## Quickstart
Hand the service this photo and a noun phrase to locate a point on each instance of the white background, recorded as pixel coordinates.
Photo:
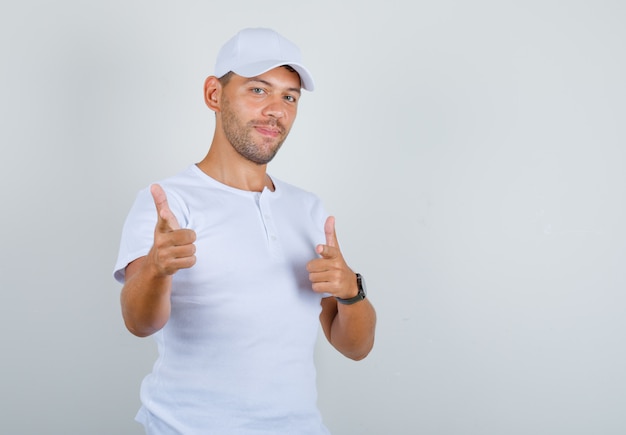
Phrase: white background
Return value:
(472, 152)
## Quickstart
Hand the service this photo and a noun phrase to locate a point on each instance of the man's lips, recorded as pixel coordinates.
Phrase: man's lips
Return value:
(268, 130)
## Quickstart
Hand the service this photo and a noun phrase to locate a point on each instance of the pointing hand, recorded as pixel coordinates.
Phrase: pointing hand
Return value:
(173, 247)
(330, 273)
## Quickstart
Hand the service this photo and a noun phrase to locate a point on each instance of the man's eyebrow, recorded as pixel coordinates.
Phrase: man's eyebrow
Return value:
(270, 85)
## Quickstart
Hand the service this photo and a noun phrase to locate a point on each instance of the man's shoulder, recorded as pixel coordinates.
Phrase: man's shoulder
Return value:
(185, 177)
(183, 184)
(291, 189)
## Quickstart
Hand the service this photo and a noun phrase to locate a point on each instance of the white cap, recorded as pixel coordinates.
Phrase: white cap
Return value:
(252, 52)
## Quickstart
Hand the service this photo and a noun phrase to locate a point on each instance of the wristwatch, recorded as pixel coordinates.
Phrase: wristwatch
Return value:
(360, 283)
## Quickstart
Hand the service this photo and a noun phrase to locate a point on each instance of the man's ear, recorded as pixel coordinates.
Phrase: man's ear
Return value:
(212, 93)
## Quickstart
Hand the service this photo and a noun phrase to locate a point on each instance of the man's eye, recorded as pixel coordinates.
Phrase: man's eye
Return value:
(290, 98)
(257, 90)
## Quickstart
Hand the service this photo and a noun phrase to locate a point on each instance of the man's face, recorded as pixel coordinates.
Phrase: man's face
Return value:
(257, 113)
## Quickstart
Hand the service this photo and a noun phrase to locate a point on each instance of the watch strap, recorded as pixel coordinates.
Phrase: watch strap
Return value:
(359, 296)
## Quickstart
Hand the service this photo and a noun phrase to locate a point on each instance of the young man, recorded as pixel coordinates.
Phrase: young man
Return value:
(231, 270)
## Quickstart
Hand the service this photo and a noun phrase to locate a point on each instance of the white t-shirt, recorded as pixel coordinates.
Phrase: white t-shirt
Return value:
(236, 356)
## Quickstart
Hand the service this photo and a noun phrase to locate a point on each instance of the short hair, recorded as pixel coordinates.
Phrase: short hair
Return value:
(226, 78)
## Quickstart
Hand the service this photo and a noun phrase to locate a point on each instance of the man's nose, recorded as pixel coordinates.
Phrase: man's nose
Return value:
(275, 108)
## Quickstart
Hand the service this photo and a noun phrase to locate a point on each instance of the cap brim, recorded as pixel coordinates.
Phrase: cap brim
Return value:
(258, 68)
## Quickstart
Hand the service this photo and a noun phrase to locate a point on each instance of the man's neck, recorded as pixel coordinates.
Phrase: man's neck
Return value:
(233, 170)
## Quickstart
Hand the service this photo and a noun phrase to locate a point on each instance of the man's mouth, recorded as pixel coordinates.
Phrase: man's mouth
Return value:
(268, 129)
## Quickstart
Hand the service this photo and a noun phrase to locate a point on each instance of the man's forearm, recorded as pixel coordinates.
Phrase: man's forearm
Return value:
(353, 329)
(145, 299)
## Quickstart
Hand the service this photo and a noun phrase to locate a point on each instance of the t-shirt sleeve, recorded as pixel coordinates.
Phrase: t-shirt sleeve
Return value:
(137, 233)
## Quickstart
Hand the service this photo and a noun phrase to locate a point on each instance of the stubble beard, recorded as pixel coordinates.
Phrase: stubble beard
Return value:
(240, 137)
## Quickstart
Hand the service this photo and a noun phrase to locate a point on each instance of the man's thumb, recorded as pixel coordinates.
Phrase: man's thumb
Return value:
(166, 219)
(329, 230)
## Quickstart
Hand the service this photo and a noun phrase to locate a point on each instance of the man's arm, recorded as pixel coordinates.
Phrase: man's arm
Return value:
(349, 328)
(145, 296)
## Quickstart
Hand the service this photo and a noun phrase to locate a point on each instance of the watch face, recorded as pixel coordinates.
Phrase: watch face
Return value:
(361, 284)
